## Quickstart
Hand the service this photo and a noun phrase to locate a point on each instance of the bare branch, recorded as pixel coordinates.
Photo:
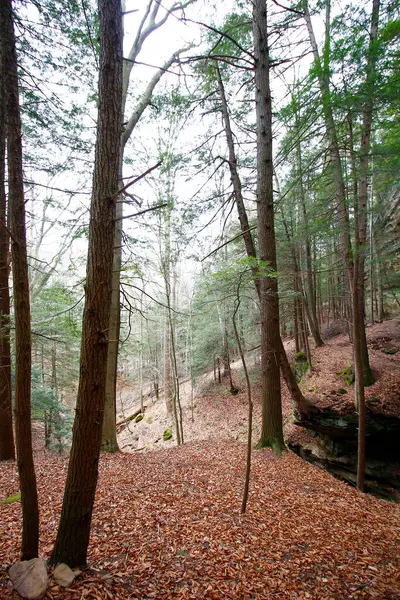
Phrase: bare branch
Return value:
(128, 185)
(229, 241)
(142, 212)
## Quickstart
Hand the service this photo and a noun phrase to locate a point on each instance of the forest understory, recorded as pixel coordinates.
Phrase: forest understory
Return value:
(167, 523)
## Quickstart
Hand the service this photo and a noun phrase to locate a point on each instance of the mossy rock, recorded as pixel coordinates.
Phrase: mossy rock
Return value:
(139, 418)
(167, 435)
(300, 366)
(348, 374)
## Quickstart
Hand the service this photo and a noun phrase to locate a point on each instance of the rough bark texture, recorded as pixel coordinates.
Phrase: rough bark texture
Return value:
(26, 470)
(363, 184)
(109, 439)
(74, 529)
(287, 372)
(271, 427)
(336, 164)
(309, 283)
(7, 450)
(109, 442)
(363, 370)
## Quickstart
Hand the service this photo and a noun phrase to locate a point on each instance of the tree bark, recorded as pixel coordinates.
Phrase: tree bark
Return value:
(7, 450)
(287, 372)
(74, 528)
(271, 427)
(363, 184)
(250, 408)
(363, 370)
(23, 432)
(148, 24)
(309, 284)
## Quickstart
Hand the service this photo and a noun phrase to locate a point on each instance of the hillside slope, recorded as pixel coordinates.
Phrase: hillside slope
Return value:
(167, 525)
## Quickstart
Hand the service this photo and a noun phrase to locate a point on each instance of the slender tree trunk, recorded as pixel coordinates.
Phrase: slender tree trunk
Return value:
(166, 272)
(271, 427)
(337, 171)
(363, 370)
(23, 348)
(250, 411)
(371, 272)
(287, 372)
(74, 528)
(7, 451)
(109, 442)
(310, 297)
(176, 403)
(363, 184)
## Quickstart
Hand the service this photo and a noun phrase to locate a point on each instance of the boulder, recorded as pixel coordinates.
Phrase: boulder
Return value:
(63, 575)
(29, 578)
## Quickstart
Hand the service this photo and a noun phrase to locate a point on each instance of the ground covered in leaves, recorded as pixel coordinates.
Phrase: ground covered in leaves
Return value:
(167, 524)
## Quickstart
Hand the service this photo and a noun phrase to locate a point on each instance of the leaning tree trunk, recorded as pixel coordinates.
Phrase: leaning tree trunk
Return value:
(26, 470)
(271, 427)
(286, 371)
(7, 450)
(74, 529)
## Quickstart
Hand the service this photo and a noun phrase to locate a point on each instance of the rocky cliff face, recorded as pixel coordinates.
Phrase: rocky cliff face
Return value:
(332, 444)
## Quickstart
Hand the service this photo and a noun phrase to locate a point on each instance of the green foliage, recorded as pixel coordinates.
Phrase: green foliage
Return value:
(47, 408)
(139, 418)
(167, 435)
(391, 30)
(348, 374)
(300, 366)
(15, 498)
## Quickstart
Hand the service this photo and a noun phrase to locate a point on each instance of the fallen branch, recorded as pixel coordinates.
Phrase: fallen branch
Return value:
(129, 419)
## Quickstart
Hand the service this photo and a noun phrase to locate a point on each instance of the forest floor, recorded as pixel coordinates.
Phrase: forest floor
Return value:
(167, 523)
(220, 415)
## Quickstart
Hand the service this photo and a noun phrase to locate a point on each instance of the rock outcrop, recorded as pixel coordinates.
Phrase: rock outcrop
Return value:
(30, 578)
(332, 444)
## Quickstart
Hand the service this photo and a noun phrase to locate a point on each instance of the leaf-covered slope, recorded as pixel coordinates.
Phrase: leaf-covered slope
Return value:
(167, 525)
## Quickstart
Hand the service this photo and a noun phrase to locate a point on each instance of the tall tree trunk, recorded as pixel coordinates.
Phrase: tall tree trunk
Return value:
(363, 184)
(7, 451)
(363, 370)
(23, 359)
(287, 372)
(109, 441)
(166, 272)
(337, 171)
(271, 427)
(74, 528)
(309, 283)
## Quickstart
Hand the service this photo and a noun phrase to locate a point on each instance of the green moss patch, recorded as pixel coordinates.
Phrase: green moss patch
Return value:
(348, 374)
(11, 499)
(167, 435)
(300, 366)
